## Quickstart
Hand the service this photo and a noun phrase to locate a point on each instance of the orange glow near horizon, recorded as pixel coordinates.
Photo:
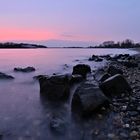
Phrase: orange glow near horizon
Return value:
(7, 34)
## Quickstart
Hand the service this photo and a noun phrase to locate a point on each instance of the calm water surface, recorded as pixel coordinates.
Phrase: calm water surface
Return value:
(23, 115)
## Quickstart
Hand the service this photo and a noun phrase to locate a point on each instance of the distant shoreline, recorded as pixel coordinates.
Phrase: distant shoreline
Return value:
(128, 44)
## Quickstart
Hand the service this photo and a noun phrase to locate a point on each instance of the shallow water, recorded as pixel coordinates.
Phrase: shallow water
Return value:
(23, 114)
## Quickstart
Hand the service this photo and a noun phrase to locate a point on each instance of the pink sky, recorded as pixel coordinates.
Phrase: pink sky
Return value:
(77, 20)
(24, 34)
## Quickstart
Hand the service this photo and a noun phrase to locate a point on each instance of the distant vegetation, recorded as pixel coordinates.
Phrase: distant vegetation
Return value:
(107, 44)
(124, 44)
(9, 45)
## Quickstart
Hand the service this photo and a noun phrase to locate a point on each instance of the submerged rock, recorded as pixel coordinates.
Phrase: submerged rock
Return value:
(88, 98)
(27, 69)
(81, 69)
(115, 85)
(55, 87)
(5, 76)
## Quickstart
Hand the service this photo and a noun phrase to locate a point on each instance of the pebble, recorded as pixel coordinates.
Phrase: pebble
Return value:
(124, 135)
(134, 134)
(124, 108)
(111, 135)
(133, 113)
(126, 126)
(100, 116)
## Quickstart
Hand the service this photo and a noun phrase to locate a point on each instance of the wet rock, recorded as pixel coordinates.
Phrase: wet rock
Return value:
(105, 77)
(5, 76)
(76, 79)
(121, 57)
(87, 99)
(27, 69)
(101, 75)
(107, 57)
(115, 85)
(112, 70)
(55, 87)
(95, 58)
(39, 76)
(81, 69)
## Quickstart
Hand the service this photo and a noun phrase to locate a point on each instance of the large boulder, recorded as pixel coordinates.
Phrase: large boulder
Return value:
(81, 69)
(27, 69)
(5, 76)
(87, 98)
(115, 85)
(112, 70)
(55, 88)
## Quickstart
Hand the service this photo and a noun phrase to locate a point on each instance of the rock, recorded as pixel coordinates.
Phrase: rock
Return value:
(115, 85)
(88, 98)
(133, 113)
(76, 79)
(55, 88)
(124, 135)
(81, 69)
(121, 57)
(134, 134)
(101, 75)
(111, 136)
(112, 70)
(124, 108)
(39, 76)
(105, 77)
(129, 64)
(27, 69)
(95, 58)
(98, 59)
(5, 76)
(126, 126)
(107, 57)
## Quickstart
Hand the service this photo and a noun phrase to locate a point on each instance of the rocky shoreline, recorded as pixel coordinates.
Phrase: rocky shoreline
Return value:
(112, 91)
(101, 104)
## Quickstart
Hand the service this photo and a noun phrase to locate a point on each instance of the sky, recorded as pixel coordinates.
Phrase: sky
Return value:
(74, 20)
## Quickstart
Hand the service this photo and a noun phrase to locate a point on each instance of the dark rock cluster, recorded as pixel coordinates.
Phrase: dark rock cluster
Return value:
(27, 69)
(115, 86)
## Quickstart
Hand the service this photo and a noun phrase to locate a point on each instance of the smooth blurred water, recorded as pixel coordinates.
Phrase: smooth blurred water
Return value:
(23, 115)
